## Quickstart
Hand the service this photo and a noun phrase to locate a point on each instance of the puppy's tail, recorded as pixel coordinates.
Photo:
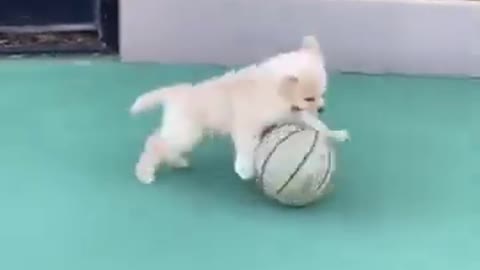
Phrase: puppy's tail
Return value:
(151, 99)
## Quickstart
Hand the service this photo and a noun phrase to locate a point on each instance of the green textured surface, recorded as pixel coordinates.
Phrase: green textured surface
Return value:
(407, 193)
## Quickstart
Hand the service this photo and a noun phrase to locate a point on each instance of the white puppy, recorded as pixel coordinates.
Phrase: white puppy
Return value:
(241, 104)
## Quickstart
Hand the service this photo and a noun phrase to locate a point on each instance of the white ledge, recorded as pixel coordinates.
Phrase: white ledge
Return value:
(373, 36)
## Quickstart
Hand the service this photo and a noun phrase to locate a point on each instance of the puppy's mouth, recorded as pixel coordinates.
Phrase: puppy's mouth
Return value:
(295, 109)
(298, 109)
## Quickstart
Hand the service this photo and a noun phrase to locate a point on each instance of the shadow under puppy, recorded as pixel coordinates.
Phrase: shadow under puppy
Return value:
(285, 88)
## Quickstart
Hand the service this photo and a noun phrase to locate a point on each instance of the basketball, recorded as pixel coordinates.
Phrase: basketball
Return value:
(294, 164)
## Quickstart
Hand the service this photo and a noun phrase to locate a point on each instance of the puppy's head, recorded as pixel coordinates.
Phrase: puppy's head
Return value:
(304, 84)
(303, 93)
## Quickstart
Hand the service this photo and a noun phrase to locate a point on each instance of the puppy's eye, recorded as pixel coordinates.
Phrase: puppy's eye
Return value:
(310, 99)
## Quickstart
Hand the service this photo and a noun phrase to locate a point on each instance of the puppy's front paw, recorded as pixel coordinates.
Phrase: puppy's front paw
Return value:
(341, 135)
(244, 169)
(144, 174)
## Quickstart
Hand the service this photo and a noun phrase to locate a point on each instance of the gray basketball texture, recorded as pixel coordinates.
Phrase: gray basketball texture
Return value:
(294, 164)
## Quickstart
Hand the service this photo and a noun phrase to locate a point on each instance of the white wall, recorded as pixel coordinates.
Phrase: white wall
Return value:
(376, 36)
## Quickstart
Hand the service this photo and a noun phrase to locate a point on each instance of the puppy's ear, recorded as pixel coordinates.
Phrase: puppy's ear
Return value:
(310, 43)
(287, 87)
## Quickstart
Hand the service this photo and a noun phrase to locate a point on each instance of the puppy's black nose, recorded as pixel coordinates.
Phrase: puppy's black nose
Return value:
(321, 110)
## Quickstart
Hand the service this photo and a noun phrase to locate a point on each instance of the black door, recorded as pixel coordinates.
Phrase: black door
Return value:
(58, 25)
(38, 12)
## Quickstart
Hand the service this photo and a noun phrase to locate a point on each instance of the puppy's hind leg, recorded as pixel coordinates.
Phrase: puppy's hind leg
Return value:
(181, 134)
(169, 145)
(154, 153)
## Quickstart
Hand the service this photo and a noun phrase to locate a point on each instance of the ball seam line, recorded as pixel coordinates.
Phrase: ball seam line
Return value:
(328, 172)
(271, 128)
(297, 169)
(270, 154)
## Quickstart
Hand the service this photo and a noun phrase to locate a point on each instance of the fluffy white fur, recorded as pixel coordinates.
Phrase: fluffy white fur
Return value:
(287, 87)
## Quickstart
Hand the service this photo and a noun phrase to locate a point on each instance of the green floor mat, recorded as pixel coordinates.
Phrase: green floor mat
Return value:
(406, 197)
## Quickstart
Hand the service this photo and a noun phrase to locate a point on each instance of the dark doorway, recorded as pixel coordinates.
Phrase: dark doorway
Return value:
(58, 26)
(34, 12)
